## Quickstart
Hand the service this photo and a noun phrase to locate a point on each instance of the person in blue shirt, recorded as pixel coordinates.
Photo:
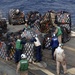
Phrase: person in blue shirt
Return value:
(54, 44)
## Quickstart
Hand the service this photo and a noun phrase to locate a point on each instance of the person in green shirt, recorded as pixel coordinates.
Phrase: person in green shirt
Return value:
(58, 33)
(22, 66)
(18, 51)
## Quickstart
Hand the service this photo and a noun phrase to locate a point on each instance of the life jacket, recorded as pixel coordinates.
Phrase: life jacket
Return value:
(23, 65)
(18, 44)
(54, 42)
(59, 32)
(63, 18)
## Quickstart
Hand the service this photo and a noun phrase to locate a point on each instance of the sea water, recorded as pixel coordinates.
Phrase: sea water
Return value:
(39, 5)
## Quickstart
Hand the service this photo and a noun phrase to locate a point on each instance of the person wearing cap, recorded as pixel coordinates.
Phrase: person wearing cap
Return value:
(60, 59)
(22, 66)
(54, 44)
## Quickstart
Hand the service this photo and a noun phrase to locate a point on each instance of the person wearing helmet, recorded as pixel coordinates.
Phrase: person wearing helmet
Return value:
(22, 66)
(60, 59)
(54, 44)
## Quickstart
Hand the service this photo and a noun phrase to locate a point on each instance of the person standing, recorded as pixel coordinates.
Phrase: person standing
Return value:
(22, 65)
(18, 51)
(37, 45)
(54, 44)
(60, 59)
(58, 33)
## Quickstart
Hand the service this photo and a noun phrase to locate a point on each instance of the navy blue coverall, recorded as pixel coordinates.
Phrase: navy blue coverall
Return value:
(54, 44)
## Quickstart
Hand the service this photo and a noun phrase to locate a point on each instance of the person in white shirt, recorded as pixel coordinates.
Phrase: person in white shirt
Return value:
(37, 45)
(60, 59)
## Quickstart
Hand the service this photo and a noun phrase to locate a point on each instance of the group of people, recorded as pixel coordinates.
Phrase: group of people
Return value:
(21, 59)
(23, 62)
(57, 52)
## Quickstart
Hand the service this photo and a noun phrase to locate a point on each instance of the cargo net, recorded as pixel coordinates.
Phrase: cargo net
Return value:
(2, 50)
(47, 43)
(66, 32)
(28, 50)
(29, 33)
(45, 23)
(66, 26)
(16, 17)
(12, 53)
(63, 18)
(32, 16)
(45, 28)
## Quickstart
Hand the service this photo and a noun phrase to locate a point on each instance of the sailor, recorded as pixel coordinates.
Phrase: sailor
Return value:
(37, 45)
(23, 65)
(18, 51)
(60, 59)
(54, 44)
(58, 33)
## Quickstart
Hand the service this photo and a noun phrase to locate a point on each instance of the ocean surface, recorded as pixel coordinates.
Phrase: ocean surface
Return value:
(39, 5)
